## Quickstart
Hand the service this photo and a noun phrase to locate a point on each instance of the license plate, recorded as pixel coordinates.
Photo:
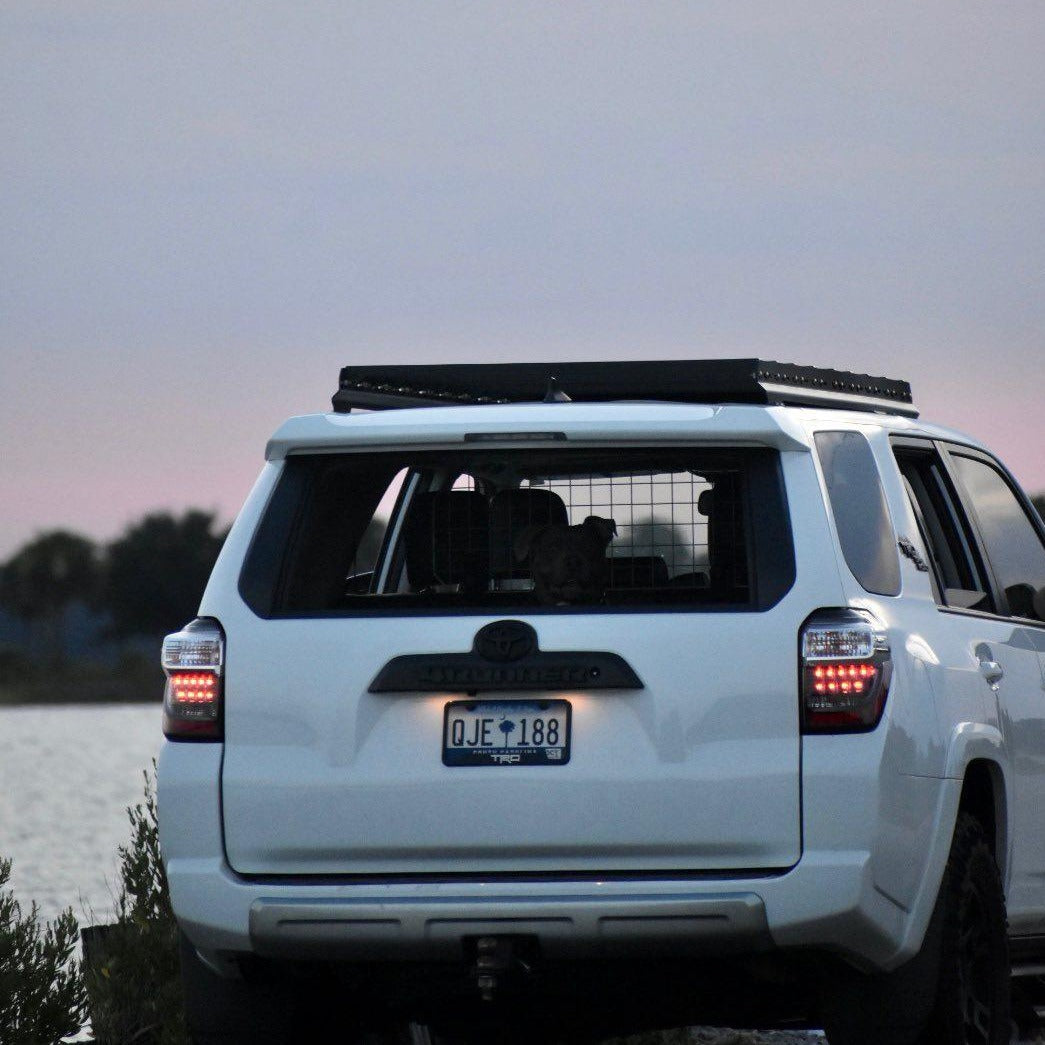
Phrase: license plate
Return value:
(506, 733)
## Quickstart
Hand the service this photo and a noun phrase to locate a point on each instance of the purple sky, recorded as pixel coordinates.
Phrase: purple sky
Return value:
(206, 209)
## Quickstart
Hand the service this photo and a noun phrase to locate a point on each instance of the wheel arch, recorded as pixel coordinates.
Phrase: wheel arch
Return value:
(977, 784)
(978, 757)
(984, 797)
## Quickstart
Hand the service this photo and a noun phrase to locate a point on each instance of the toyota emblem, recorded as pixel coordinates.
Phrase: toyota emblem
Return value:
(505, 640)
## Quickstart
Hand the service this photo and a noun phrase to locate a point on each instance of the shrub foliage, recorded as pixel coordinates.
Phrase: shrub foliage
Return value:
(132, 972)
(41, 990)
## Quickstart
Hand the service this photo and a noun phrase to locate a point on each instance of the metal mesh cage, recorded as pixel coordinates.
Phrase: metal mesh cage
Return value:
(670, 528)
(661, 533)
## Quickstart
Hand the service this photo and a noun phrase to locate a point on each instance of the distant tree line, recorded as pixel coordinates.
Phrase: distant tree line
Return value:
(145, 583)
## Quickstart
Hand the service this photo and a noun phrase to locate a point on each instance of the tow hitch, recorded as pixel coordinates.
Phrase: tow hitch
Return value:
(502, 958)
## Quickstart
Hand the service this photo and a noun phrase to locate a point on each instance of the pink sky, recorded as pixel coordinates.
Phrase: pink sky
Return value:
(115, 445)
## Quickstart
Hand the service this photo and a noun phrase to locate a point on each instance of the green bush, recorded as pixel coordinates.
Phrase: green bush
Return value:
(41, 990)
(131, 968)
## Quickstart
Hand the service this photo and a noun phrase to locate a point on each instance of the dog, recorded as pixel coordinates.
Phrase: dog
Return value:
(567, 563)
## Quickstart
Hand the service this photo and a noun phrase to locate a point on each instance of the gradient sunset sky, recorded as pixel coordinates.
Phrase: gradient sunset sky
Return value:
(207, 208)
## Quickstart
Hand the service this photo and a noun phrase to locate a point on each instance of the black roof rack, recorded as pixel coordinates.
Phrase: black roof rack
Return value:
(382, 387)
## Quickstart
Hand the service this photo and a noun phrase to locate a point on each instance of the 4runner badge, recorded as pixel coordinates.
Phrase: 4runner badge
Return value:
(908, 548)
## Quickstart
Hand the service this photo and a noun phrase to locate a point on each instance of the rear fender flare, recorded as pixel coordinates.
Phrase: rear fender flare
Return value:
(970, 742)
(976, 742)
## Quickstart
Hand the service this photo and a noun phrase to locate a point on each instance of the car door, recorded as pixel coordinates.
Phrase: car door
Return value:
(989, 666)
(1010, 536)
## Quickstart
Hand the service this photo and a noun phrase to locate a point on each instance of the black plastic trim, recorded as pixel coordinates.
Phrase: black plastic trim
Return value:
(1001, 618)
(471, 673)
(449, 877)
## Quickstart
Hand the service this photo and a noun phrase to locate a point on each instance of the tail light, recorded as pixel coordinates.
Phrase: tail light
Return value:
(194, 662)
(845, 672)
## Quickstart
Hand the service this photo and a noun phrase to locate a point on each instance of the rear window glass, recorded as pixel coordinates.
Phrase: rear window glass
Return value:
(522, 529)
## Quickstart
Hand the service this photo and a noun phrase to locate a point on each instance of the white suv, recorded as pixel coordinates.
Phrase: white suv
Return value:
(539, 700)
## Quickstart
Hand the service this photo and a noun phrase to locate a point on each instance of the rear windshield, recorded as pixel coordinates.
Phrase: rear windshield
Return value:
(521, 529)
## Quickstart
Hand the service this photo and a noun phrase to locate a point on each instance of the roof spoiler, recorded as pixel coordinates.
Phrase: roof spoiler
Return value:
(756, 381)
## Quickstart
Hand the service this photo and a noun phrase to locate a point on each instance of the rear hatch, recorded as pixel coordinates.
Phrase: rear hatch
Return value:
(438, 664)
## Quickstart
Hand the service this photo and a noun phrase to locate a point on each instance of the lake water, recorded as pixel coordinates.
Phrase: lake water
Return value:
(67, 775)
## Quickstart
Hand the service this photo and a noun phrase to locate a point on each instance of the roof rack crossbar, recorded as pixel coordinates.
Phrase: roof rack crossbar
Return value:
(384, 387)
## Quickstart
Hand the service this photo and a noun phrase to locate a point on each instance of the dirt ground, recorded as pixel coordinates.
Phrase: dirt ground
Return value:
(711, 1036)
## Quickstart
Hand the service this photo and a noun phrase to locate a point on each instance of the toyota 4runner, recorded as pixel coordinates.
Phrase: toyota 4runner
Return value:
(531, 701)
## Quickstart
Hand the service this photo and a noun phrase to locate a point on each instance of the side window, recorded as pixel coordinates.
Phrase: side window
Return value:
(361, 572)
(861, 514)
(1012, 542)
(956, 570)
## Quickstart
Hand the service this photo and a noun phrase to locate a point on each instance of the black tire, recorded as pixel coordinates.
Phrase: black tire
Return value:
(956, 990)
(973, 999)
(220, 1011)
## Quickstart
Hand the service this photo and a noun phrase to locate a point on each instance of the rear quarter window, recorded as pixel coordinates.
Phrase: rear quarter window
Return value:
(860, 510)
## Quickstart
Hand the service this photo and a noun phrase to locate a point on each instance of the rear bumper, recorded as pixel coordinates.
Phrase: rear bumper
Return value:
(823, 907)
(816, 905)
(829, 901)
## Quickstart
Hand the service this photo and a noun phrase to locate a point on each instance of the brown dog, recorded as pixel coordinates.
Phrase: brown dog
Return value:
(567, 563)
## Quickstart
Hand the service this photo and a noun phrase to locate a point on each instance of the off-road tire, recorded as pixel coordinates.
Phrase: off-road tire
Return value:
(973, 999)
(956, 990)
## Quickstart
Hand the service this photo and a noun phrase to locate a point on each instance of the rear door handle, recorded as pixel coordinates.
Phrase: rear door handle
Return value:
(992, 671)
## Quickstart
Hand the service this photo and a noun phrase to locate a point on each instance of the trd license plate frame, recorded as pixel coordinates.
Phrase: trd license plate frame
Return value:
(507, 732)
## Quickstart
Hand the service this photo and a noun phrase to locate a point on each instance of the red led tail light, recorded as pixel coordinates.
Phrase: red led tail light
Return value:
(194, 660)
(843, 678)
(193, 689)
(845, 672)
